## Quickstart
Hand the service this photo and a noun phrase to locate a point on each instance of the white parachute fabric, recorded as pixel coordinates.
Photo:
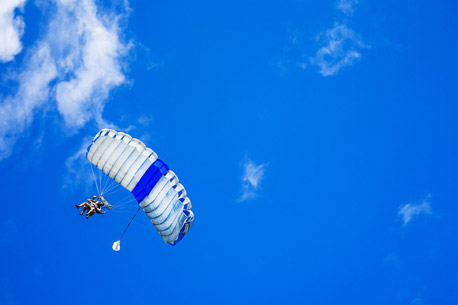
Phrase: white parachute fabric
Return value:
(137, 168)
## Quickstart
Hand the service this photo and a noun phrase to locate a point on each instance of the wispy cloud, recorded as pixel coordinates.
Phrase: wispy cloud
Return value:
(251, 179)
(340, 48)
(11, 29)
(408, 211)
(337, 47)
(79, 171)
(91, 59)
(347, 6)
(293, 53)
(74, 66)
(16, 112)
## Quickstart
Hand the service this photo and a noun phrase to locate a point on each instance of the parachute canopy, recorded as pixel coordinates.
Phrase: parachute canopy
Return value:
(155, 187)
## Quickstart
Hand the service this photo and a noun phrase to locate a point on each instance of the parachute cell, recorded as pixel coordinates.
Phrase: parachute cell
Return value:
(155, 187)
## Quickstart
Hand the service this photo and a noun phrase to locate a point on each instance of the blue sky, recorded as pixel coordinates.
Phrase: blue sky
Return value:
(316, 140)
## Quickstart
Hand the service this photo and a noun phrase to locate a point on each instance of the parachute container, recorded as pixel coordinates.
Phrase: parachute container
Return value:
(105, 202)
(155, 187)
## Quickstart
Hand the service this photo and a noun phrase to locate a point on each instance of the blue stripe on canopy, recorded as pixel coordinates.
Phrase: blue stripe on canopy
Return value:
(149, 179)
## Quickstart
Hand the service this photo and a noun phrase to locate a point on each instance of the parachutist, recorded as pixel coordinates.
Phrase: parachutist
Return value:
(91, 206)
(95, 207)
(86, 205)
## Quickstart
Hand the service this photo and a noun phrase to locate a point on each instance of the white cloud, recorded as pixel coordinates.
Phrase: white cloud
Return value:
(90, 59)
(79, 171)
(11, 29)
(74, 65)
(340, 49)
(409, 211)
(251, 179)
(347, 6)
(16, 112)
(339, 46)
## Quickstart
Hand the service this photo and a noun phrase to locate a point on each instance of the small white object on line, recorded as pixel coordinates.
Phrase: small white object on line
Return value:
(117, 245)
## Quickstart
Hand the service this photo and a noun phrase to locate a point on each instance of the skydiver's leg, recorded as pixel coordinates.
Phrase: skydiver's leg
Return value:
(86, 208)
(78, 206)
(90, 212)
